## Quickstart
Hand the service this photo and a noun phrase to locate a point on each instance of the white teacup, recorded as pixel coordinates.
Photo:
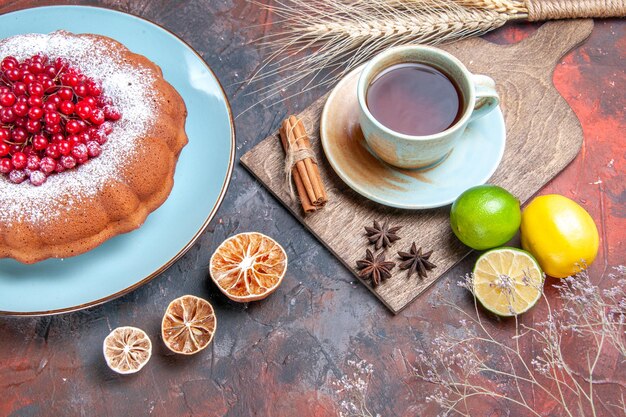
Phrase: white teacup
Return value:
(406, 151)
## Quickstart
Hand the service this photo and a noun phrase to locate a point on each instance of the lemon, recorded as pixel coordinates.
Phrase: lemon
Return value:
(485, 217)
(560, 234)
(507, 281)
(127, 350)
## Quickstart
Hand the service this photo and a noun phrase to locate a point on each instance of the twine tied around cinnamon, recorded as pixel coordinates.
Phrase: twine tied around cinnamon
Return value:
(301, 167)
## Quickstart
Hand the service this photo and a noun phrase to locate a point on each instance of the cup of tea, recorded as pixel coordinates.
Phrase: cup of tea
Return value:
(415, 103)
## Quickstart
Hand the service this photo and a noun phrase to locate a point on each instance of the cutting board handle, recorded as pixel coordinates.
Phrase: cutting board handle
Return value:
(552, 41)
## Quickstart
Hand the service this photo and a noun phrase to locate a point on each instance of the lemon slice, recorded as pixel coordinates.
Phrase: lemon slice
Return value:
(507, 281)
(188, 325)
(127, 349)
(248, 266)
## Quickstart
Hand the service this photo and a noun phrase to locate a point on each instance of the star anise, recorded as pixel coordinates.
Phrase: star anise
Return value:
(374, 267)
(382, 236)
(416, 261)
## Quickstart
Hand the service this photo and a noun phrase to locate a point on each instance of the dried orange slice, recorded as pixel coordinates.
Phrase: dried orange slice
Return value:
(127, 349)
(188, 325)
(248, 266)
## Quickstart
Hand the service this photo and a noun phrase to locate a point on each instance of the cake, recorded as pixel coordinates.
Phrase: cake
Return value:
(102, 164)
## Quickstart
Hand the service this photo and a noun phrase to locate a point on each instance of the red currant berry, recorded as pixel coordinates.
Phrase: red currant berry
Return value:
(94, 149)
(7, 99)
(36, 67)
(33, 126)
(69, 79)
(13, 74)
(50, 71)
(8, 63)
(65, 148)
(81, 90)
(7, 115)
(52, 129)
(73, 126)
(5, 135)
(47, 165)
(111, 113)
(19, 135)
(40, 142)
(59, 167)
(80, 151)
(28, 78)
(56, 99)
(20, 109)
(50, 107)
(53, 151)
(33, 162)
(35, 113)
(73, 140)
(65, 93)
(48, 85)
(34, 101)
(60, 64)
(83, 110)
(35, 89)
(17, 177)
(107, 128)
(37, 178)
(19, 160)
(4, 89)
(104, 101)
(92, 102)
(4, 149)
(68, 162)
(52, 118)
(6, 165)
(94, 89)
(57, 137)
(20, 89)
(67, 107)
(97, 117)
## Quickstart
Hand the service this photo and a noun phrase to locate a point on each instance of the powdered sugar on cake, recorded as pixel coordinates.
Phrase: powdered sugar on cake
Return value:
(130, 89)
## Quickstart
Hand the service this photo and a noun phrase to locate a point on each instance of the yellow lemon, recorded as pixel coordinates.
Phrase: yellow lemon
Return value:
(560, 234)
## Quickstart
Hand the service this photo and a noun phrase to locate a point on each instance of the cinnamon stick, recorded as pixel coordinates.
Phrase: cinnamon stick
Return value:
(305, 172)
(307, 206)
(311, 166)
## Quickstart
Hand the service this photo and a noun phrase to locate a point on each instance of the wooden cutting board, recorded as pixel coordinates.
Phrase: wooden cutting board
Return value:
(543, 136)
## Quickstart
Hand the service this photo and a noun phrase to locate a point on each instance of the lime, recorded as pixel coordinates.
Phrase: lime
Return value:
(507, 281)
(560, 234)
(485, 217)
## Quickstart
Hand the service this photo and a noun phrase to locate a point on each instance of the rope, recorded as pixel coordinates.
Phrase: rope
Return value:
(572, 9)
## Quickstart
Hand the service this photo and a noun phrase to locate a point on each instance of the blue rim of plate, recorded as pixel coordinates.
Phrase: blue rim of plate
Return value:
(218, 203)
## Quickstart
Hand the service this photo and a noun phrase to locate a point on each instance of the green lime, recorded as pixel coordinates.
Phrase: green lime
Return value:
(507, 281)
(485, 217)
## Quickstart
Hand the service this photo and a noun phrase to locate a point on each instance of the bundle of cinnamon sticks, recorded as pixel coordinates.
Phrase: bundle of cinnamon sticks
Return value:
(302, 164)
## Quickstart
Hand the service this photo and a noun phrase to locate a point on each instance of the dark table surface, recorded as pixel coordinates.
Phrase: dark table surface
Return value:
(280, 357)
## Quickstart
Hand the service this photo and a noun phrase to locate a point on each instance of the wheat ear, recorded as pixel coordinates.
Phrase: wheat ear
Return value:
(319, 41)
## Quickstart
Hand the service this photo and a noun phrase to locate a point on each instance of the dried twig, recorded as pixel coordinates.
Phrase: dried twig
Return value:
(463, 368)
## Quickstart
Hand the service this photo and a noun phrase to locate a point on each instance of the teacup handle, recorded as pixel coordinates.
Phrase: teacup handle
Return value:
(487, 97)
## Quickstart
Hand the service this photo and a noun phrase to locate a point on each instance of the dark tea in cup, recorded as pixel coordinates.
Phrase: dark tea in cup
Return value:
(414, 99)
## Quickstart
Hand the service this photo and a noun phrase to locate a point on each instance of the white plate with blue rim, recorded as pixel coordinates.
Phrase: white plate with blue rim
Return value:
(202, 175)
